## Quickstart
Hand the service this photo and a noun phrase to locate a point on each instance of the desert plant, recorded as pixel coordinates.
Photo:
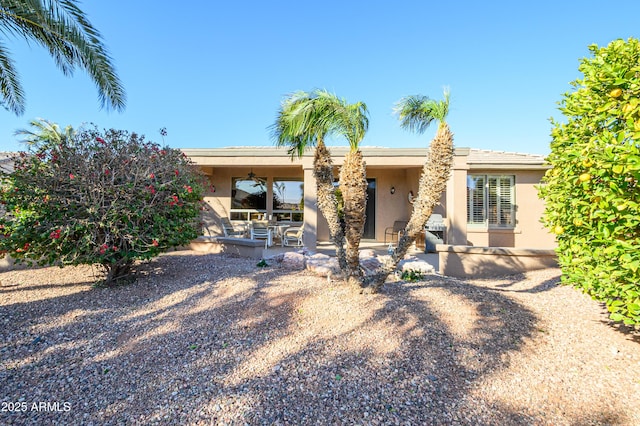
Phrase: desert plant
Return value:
(304, 120)
(412, 275)
(591, 192)
(416, 113)
(352, 183)
(99, 198)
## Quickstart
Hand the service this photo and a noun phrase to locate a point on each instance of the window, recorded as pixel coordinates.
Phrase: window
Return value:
(248, 198)
(490, 200)
(288, 199)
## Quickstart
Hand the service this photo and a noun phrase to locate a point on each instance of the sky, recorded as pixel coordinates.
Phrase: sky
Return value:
(214, 73)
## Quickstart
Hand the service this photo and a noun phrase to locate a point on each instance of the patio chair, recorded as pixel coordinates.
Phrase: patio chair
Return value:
(259, 230)
(229, 230)
(292, 237)
(395, 231)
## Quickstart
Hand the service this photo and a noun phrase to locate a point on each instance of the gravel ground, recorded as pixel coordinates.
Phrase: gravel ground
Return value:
(210, 339)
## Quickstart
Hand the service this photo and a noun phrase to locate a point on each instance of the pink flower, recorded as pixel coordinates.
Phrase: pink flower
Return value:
(55, 234)
(152, 176)
(151, 189)
(176, 172)
(188, 188)
(106, 172)
(154, 242)
(71, 176)
(99, 139)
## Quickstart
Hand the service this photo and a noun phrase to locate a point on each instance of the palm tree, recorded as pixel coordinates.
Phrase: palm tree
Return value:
(64, 30)
(304, 121)
(416, 113)
(44, 131)
(353, 186)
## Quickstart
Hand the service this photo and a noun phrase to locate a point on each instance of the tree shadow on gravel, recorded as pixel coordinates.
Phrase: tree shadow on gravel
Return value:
(104, 329)
(424, 380)
(194, 345)
(546, 285)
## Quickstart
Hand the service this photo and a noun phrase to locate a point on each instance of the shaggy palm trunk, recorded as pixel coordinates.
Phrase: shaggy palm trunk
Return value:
(353, 185)
(432, 184)
(327, 201)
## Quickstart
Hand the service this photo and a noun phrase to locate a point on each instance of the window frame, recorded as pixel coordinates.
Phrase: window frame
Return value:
(247, 214)
(497, 203)
(287, 215)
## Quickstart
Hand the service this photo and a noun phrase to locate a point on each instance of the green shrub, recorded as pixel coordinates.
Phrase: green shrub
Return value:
(412, 275)
(591, 193)
(105, 199)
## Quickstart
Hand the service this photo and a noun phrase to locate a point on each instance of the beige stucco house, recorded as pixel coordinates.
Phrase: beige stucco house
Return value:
(491, 198)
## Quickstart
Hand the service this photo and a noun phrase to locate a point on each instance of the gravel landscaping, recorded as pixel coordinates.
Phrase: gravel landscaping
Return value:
(213, 339)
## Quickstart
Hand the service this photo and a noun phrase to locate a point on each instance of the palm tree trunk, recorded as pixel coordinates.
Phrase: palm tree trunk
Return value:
(327, 201)
(432, 184)
(353, 185)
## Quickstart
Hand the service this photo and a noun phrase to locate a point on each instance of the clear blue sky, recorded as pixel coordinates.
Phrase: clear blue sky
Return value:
(214, 73)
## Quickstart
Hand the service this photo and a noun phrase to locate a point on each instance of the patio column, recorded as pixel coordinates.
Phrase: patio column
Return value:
(457, 203)
(310, 237)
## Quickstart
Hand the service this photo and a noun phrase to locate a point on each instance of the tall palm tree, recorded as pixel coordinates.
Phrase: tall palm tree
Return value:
(304, 121)
(353, 186)
(64, 30)
(416, 113)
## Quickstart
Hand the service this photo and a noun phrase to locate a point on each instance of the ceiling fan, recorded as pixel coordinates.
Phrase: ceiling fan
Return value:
(252, 176)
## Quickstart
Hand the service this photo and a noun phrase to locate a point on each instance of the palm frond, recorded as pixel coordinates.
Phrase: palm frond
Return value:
(44, 132)
(10, 87)
(64, 30)
(417, 112)
(305, 119)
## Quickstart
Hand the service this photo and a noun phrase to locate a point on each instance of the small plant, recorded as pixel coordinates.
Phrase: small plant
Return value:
(412, 275)
(262, 264)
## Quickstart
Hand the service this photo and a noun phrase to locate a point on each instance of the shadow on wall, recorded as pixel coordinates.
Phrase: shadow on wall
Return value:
(211, 220)
(483, 262)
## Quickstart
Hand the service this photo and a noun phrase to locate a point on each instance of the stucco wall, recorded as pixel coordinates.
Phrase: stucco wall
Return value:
(398, 168)
(482, 262)
(389, 207)
(528, 231)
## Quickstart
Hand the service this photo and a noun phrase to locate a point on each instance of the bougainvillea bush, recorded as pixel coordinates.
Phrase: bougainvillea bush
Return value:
(101, 199)
(591, 194)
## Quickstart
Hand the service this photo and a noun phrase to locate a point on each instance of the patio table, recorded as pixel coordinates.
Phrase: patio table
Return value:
(278, 231)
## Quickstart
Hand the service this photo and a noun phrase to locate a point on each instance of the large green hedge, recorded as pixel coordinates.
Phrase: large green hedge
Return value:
(591, 193)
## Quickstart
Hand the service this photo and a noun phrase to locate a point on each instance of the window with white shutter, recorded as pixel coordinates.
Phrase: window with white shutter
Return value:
(491, 200)
(476, 200)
